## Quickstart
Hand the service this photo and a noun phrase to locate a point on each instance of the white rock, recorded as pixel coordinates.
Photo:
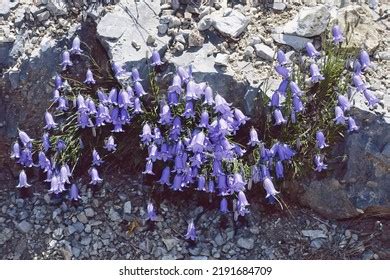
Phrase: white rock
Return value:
(232, 25)
(222, 59)
(57, 7)
(296, 42)
(264, 52)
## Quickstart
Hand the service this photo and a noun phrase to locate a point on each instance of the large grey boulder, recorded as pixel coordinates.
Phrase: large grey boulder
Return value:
(127, 25)
(294, 41)
(4, 7)
(309, 22)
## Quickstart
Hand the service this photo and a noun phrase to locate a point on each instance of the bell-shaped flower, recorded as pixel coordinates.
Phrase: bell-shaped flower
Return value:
(279, 119)
(118, 70)
(156, 60)
(204, 119)
(64, 174)
(315, 75)
(357, 67)
(62, 104)
(189, 110)
(50, 123)
(151, 212)
(281, 57)
(123, 99)
(164, 180)
(26, 140)
(320, 140)
(146, 136)
(372, 100)
(221, 106)
(173, 98)
(295, 90)
(275, 99)
(176, 128)
(43, 161)
(242, 203)
(269, 188)
(297, 104)
(56, 95)
(222, 184)
(191, 91)
(208, 96)
(96, 159)
(139, 89)
(176, 85)
(165, 115)
(358, 83)
(337, 35)
(240, 117)
(364, 59)
(311, 50)
(283, 151)
(238, 182)
(46, 142)
(352, 125)
(110, 144)
(137, 106)
(60, 145)
(15, 152)
(84, 120)
(74, 193)
(26, 158)
(255, 174)
(191, 231)
(152, 154)
(340, 118)
(66, 60)
(102, 96)
(89, 80)
(293, 116)
(56, 186)
(223, 206)
(319, 164)
(164, 153)
(279, 170)
(76, 46)
(343, 102)
(254, 139)
(80, 102)
(23, 180)
(183, 74)
(201, 183)
(135, 75)
(211, 186)
(148, 168)
(177, 183)
(95, 179)
(199, 144)
(283, 71)
(58, 82)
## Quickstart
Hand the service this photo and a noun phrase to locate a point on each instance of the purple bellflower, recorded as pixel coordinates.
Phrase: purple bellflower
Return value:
(45, 141)
(343, 102)
(275, 99)
(23, 180)
(279, 119)
(146, 136)
(139, 90)
(240, 117)
(337, 35)
(372, 100)
(320, 140)
(96, 159)
(269, 188)
(165, 115)
(223, 207)
(183, 74)
(89, 78)
(60, 145)
(358, 83)
(44, 162)
(15, 153)
(352, 125)
(281, 57)
(283, 71)
(49, 121)
(191, 232)
(66, 60)
(151, 212)
(208, 96)
(148, 168)
(95, 179)
(242, 203)
(254, 139)
(315, 75)
(58, 82)
(319, 164)
(357, 67)
(135, 75)
(364, 59)
(26, 140)
(110, 144)
(295, 90)
(156, 60)
(164, 180)
(311, 50)
(26, 158)
(297, 104)
(74, 193)
(340, 118)
(76, 46)
(279, 170)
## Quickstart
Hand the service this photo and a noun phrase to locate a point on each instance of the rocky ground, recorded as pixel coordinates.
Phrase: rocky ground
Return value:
(109, 223)
(232, 49)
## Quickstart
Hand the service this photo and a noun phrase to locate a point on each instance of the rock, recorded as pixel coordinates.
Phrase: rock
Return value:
(195, 39)
(264, 52)
(308, 22)
(86, 241)
(5, 235)
(4, 8)
(230, 24)
(150, 40)
(57, 7)
(43, 16)
(249, 52)
(246, 243)
(314, 234)
(162, 28)
(114, 216)
(24, 226)
(117, 29)
(82, 217)
(222, 59)
(362, 29)
(294, 41)
(278, 6)
(76, 252)
(127, 207)
(58, 234)
(170, 243)
(317, 243)
(219, 240)
(89, 212)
